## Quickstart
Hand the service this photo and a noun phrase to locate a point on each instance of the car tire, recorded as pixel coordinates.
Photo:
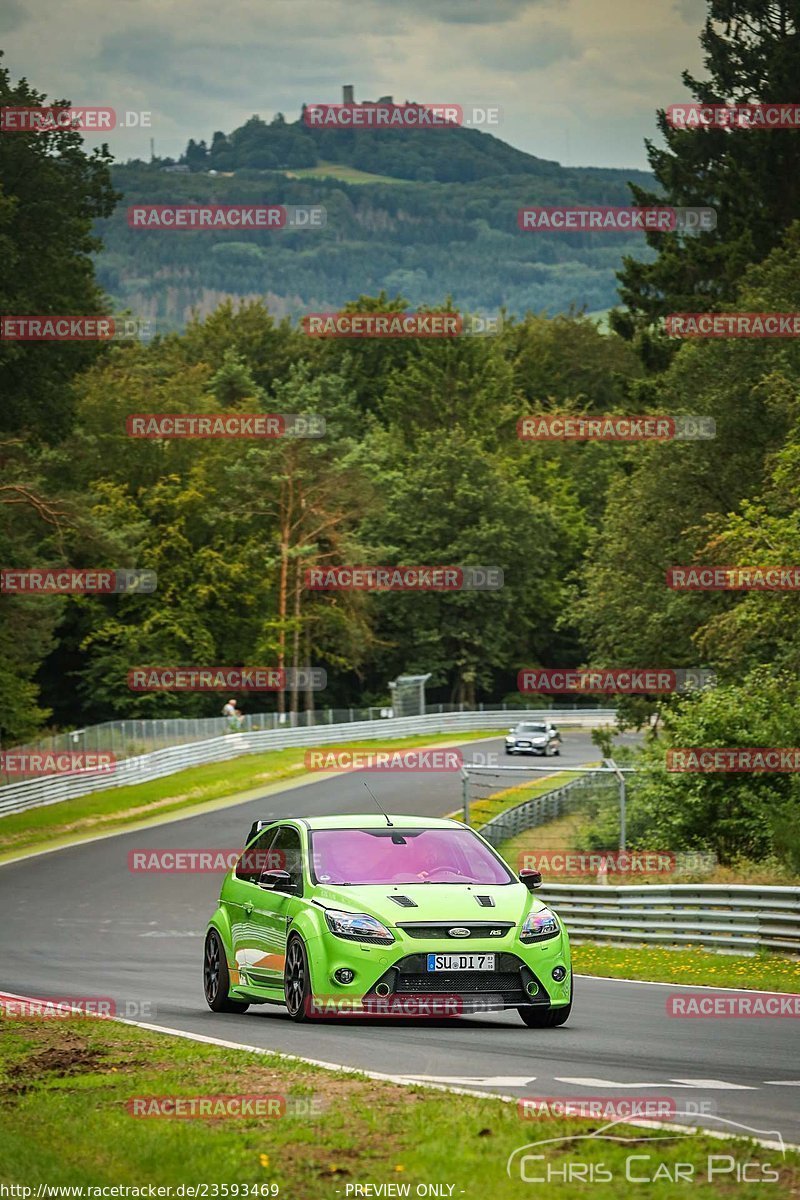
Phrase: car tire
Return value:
(548, 1018)
(216, 978)
(297, 981)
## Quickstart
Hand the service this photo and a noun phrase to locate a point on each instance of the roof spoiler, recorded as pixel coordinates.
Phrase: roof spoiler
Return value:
(256, 828)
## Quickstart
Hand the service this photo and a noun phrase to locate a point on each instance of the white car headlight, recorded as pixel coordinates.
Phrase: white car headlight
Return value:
(539, 925)
(357, 927)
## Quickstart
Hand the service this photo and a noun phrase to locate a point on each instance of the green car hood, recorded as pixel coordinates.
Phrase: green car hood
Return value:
(454, 902)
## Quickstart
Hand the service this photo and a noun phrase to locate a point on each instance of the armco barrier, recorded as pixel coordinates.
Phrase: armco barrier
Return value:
(732, 917)
(547, 807)
(744, 918)
(33, 793)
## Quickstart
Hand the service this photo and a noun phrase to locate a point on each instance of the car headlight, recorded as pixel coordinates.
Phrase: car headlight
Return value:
(357, 927)
(538, 926)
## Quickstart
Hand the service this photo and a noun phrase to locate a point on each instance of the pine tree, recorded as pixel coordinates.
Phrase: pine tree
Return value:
(751, 177)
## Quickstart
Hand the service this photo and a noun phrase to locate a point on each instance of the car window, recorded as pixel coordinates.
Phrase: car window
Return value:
(345, 857)
(288, 854)
(256, 857)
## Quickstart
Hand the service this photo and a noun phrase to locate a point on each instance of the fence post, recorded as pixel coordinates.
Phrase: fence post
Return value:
(622, 802)
(465, 794)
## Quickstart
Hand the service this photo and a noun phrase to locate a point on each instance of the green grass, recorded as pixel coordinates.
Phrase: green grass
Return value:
(689, 964)
(485, 809)
(65, 1087)
(343, 172)
(102, 812)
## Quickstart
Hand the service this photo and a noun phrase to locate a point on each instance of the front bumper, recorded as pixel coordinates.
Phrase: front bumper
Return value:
(522, 975)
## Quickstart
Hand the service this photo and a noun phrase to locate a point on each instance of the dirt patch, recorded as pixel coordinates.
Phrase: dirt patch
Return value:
(60, 1061)
(56, 1062)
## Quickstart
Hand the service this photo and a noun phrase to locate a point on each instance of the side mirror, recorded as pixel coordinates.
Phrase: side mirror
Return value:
(275, 881)
(531, 879)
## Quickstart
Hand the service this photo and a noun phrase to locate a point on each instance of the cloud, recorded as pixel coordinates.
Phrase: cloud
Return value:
(536, 47)
(12, 16)
(469, 12)
(577, 80)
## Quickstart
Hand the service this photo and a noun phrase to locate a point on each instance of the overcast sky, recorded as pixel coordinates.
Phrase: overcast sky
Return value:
(577, 80)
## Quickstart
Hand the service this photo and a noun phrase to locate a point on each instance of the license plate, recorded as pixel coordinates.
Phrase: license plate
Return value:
(461, 962)
(523, 744)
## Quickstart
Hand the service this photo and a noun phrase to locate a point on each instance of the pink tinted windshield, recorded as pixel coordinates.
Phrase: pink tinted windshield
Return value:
(360, 856)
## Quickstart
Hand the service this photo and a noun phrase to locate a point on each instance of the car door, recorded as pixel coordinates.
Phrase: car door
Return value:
(240, 894)
(260, 937)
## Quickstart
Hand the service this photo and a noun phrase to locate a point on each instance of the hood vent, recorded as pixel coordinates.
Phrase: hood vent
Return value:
(485, 901)
(404, 901)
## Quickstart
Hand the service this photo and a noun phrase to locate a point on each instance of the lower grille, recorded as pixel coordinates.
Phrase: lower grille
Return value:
(461, 982)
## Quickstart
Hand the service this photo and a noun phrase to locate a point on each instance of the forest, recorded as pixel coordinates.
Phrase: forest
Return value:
(421, 462)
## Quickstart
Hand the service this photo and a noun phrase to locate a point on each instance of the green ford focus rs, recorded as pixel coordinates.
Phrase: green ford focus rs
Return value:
(384, 916)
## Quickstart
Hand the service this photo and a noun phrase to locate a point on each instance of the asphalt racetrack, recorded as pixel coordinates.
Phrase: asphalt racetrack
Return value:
(78, 922)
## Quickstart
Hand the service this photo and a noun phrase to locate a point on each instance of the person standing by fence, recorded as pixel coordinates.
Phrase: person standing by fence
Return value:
(235, 718)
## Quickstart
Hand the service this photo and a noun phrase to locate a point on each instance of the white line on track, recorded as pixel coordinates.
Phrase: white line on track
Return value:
(718, 1085)
(404, 1081)
(702, 987)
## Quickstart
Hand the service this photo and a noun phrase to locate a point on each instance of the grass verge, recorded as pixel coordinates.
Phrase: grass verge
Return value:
(65, 1088)
(688, 964)
(487, 807)
(116, 808)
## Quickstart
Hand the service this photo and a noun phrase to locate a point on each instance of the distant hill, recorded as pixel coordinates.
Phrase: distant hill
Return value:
(455, 235)
(453, 154)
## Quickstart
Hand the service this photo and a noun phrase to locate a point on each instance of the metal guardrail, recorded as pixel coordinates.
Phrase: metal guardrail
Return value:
(538, 811)
(52, 789)
(720, 916)
(132, 738)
